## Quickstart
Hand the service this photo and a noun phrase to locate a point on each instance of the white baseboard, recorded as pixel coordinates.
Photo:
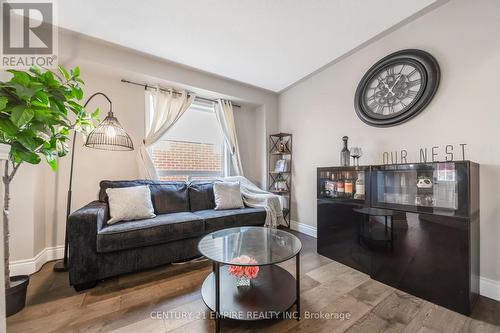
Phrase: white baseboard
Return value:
(487, 287)
(32, 265)
(304, 228)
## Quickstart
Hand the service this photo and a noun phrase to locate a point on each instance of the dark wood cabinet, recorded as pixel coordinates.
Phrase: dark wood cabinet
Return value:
(435, 249)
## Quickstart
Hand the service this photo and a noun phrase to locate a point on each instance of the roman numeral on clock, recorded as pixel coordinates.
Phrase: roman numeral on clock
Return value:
(414, 82)
(412, 94)
(413, 72)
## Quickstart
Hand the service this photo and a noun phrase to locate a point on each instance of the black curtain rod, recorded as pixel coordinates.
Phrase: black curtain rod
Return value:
(146, 86)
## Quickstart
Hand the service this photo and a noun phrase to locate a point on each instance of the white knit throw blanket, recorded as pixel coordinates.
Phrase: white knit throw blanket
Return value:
(258, 198)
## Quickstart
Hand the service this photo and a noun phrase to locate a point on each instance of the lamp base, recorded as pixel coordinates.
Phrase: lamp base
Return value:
(60, 266)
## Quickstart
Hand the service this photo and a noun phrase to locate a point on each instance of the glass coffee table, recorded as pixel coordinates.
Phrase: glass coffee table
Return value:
(271, 294)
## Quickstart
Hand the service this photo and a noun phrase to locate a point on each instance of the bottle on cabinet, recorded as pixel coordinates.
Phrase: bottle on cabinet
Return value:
(340, 187)
(345, 154)
(360, 186)
(348, 185)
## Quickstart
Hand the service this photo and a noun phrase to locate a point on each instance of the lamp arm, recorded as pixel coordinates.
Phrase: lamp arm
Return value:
(102, 94)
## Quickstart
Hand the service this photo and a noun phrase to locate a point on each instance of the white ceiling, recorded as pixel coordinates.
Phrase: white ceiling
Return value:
(266, 43)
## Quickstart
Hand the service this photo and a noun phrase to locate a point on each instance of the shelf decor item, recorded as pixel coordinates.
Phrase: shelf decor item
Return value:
(281, 146)
(243, 273)
(35, 122)
(280, 170)
(356, 153)
(280, 166)
(397, 88)
(280, 183)
(345, 155)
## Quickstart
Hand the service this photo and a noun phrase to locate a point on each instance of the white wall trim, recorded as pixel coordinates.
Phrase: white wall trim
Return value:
(304, 228)
(489, 288)
(32, 265)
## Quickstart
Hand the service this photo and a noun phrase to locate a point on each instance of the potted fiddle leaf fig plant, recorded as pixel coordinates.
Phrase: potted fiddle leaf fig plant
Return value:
(38, 110)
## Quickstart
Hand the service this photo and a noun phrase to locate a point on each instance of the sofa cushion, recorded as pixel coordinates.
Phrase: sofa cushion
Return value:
(161, 229)
(227, 195)
(201, 195)
(167, 196)
(130, 203)
(220, 219)
(105, 184)
(171, 197)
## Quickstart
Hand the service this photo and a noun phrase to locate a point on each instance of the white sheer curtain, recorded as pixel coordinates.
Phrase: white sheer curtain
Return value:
(225, 117)
(167, 107)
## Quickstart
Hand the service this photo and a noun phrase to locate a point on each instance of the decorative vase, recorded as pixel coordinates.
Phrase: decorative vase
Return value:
(242, 281)
(280, 185)
(345, 154)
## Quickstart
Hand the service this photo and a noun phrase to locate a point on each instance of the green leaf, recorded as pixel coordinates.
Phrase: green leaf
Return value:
(29, 140)
(21, 115)
(64, 72)
(21, 78)
(51, 159)
(42, 98)
(23, 154)
(64, 131)
(24, 93)
(42, 131)
(76, 72)
(35, 70)
(7, 127)
(95, 114)
(50, 80)
(77, 92)
(3, 102)
(62, 148)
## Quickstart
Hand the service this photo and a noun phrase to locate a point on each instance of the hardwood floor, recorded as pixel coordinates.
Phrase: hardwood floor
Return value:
(167, 299)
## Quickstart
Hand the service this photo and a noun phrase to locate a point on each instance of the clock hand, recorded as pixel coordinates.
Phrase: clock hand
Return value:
(397, 80)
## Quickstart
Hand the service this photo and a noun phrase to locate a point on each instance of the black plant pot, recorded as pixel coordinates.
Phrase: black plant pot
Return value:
(16, 295)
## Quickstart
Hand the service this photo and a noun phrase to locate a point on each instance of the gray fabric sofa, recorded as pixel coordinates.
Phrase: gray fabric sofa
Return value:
(184, 213)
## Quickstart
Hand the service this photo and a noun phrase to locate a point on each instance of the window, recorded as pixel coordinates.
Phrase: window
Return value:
(193, 149)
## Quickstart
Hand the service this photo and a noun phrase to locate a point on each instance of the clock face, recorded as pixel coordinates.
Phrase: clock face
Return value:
(397, 88)
(394, 89)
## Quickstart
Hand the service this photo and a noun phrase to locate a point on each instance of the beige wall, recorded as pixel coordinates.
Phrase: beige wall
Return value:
(39, 195)
(463, 36)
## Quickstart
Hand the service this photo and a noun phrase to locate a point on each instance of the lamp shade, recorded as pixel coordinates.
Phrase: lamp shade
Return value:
(109, 135)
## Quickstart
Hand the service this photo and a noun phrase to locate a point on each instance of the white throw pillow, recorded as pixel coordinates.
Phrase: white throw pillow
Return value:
(129, 203)
(227, 195)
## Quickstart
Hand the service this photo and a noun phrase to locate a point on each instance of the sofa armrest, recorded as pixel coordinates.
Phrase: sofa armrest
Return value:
(83, 226)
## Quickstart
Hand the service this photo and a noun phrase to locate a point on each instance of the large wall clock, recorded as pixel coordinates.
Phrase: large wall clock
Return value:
(397, 88)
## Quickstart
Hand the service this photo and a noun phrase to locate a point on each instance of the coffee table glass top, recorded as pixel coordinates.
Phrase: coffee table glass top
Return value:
(265, 245)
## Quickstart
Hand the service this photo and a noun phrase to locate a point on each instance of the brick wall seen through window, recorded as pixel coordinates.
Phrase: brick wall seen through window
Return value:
(181, 160)
(193, 149)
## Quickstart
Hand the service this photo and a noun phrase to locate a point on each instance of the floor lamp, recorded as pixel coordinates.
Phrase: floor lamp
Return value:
(108, 135)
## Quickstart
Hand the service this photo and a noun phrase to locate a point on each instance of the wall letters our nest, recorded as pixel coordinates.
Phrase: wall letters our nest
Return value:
(433, 154)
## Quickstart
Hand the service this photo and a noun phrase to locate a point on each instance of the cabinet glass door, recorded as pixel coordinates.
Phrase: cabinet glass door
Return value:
(430, 187)
(344, 183)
